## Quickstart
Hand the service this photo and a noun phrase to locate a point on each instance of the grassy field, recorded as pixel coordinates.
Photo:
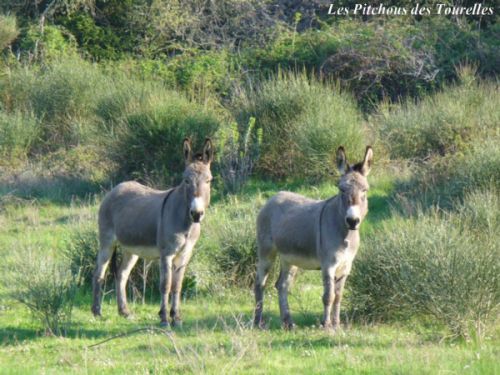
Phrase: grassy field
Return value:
(216, 336)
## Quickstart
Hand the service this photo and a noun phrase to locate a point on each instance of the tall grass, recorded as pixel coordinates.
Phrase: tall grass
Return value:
(62, 95)
(46, 286)
(303, 122)
(447, 122)
(442, 265)
(8, 30)
(71, 104)
(231, 240)
(445, 180)
(18, 132)
(150, 143)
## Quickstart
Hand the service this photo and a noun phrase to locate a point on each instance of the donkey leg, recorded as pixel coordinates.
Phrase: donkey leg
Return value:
(128, 262)
(179, 268)
(287, 274)
(328, 274)
(165, 283)
(263, 267)
(103, 258)
(339, 289)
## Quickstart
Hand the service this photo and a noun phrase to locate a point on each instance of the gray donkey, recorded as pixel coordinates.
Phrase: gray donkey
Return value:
(312, 234)
(154, 224)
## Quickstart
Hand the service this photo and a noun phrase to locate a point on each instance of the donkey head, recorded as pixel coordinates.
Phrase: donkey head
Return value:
(197, 178)
(353, 187)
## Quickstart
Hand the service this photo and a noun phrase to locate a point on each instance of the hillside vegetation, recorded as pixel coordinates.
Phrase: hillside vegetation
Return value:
(93, 93)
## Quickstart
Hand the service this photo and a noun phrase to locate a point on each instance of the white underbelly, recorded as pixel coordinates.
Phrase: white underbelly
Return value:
(301, 261)
(150, 252)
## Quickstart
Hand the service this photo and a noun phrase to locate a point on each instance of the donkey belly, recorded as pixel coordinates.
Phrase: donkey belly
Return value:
(148, 252)
(304, 262)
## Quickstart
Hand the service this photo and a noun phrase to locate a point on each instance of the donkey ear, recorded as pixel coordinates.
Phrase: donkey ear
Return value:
(208, 151)
(367, 161)
(342, 160)
(186, 147)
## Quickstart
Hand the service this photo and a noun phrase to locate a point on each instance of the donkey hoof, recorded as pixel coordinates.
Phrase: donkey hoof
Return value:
(96, 311)
(164, 324)
(337, 328)
(328, 327)
(289, 325)
(125, 313)
(177, 322)
(259, 324)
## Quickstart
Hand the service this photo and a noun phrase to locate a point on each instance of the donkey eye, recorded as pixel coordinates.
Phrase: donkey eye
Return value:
(186, 181)
(209, 180)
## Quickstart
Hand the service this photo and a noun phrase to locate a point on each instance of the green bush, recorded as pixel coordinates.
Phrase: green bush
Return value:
(381, 60)
(200, 73)
(46, 286)
(8, 31)
(240, 150)
(18, 133)
(439, 265)
(81, 250)
(62, 96)
(52, 43)
(302, 122)
(447, 122)
(444, 180)
(228, 242)
(150, 142)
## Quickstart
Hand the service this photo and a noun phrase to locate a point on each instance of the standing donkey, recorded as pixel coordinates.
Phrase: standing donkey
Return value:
(313, 234)
(151, 223)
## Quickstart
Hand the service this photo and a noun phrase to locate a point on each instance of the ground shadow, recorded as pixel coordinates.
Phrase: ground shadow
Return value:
(56, 190)
(14, 335)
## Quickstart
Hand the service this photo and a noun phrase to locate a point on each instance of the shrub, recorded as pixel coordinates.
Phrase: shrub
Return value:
(47, 287)
(150, 143)
(447, 122)
(382, 60)
(81, 251)
(18, 133)
(62, 96)
(240, 151)
(444, 180)
(231, 241)
(200, 73)
(303, 122)
(48, 44)
(439, 265)
(8, 31)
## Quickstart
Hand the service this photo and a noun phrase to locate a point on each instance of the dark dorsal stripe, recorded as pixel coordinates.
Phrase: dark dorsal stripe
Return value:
(164, 203)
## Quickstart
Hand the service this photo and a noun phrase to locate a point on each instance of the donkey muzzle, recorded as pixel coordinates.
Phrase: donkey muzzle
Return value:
(197, 216)
(197, 209)
(352, 223)
(352, 218)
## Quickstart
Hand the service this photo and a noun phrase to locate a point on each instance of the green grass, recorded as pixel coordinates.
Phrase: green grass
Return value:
(216, 338)
(216, 335)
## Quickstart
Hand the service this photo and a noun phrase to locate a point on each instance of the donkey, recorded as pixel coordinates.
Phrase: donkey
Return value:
(312, 234)
(153, 224)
